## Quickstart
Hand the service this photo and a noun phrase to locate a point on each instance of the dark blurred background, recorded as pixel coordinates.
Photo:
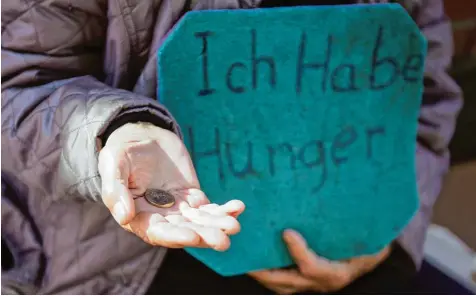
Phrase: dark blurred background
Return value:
(463, 16)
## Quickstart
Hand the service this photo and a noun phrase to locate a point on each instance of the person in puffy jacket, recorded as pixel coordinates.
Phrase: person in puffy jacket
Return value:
(83, 137)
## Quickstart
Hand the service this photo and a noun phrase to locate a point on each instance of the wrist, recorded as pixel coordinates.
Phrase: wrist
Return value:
(134, 132)
(131, 117)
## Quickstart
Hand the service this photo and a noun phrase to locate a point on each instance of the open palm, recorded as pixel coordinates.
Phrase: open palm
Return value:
(138, 157)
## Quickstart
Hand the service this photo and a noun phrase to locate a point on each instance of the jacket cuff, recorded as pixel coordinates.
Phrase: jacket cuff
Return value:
(135, 115)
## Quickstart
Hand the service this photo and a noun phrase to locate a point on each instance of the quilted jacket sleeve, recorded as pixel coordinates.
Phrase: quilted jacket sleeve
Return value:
(52, 133)
(442, 97)
(55, 111)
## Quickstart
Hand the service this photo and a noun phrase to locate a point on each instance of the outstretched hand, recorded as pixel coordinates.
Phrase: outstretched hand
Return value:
(141, 156)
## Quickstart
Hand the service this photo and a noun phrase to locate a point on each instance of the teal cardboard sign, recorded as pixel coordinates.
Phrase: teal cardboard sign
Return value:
(308, 115)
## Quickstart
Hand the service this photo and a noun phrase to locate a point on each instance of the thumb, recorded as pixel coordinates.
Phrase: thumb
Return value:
(114, 169)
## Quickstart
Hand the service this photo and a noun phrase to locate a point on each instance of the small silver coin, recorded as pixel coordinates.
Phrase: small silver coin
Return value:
(159, 198)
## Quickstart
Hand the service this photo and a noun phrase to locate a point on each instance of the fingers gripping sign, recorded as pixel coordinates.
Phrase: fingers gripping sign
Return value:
(139, 159)
(314, 273)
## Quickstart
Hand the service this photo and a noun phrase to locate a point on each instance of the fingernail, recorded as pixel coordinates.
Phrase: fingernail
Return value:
(196, 198)
(119, 212)
(194, 201)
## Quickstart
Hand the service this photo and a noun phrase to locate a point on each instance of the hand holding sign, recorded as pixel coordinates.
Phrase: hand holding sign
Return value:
(313, 273)
(307, 113)
(138, 157)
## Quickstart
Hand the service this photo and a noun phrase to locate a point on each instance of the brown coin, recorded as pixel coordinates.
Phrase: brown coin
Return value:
(159, 198)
